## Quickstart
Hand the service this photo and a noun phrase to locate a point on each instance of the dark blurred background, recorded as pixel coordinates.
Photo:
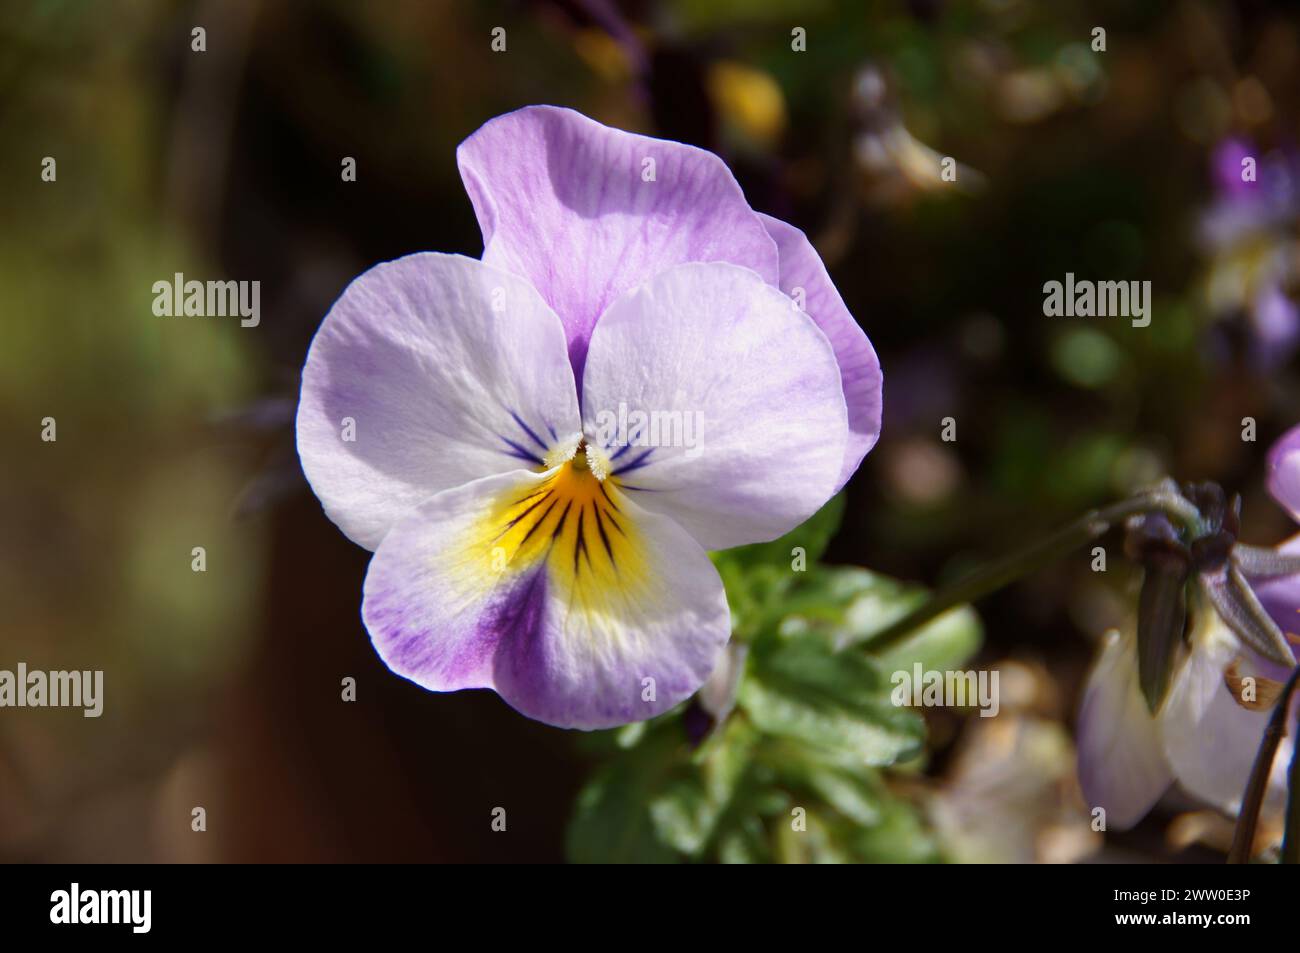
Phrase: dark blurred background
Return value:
(223, 687)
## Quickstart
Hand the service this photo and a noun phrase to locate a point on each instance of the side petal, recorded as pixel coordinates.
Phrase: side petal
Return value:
(1280, 597)
(1122, 767)
(1210, 740)
(860, 374)
(586, 212)
(580, 608)
(428, 372)
(1284, 471)
(718, 403)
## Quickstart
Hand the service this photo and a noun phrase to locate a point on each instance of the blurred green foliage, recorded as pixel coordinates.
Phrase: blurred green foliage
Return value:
(808, 765)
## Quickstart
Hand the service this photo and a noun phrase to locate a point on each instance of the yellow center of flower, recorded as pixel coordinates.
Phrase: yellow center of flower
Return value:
(573, 521)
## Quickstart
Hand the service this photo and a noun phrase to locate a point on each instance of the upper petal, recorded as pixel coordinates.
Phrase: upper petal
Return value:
(587, 212)
(1122, 767)
(1284, 471)
(860, 374)
(428, 372)
(718, 403)
(577, 606)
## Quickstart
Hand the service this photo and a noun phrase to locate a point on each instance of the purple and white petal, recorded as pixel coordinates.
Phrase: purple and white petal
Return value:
(803, 275)
(580, 608)
(428, 372)
(1284, 471)
(586, 212)
(1122, 766)
(1210, 739)
(1280, 597)
(718, 403)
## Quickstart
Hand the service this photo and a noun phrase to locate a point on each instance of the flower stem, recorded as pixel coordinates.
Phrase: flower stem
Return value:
(1243, 839)
(999, 573)
(1291, 839)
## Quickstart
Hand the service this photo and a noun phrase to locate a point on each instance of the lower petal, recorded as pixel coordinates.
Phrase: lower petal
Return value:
(1210, 739)
(1121, 765)
(579, 607)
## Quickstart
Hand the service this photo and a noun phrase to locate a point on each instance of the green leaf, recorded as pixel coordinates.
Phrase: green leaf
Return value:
(657, 800)
(838, 701)
(848, 793)
(851, 605)
(745, 843)
(683, 817)
(687, 813)
(814, 719)
(612, 822)
(851, 812)
(900, 837)
(819, 843)
(945, 643)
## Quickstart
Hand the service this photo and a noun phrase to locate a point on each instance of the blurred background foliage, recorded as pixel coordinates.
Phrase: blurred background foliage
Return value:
(780, 756)
(223, 687)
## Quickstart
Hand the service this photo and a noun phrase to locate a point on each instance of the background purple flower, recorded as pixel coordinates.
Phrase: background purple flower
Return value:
(1248, 232)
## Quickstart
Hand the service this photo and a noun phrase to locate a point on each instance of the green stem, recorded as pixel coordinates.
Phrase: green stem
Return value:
(997, 574)
(1243, 838)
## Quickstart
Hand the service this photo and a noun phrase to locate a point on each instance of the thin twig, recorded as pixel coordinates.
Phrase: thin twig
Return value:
(1243, 838)
(994, 576)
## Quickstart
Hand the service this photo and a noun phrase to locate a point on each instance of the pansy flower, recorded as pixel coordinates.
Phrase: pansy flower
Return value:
(1191, 706)
(540, 446)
